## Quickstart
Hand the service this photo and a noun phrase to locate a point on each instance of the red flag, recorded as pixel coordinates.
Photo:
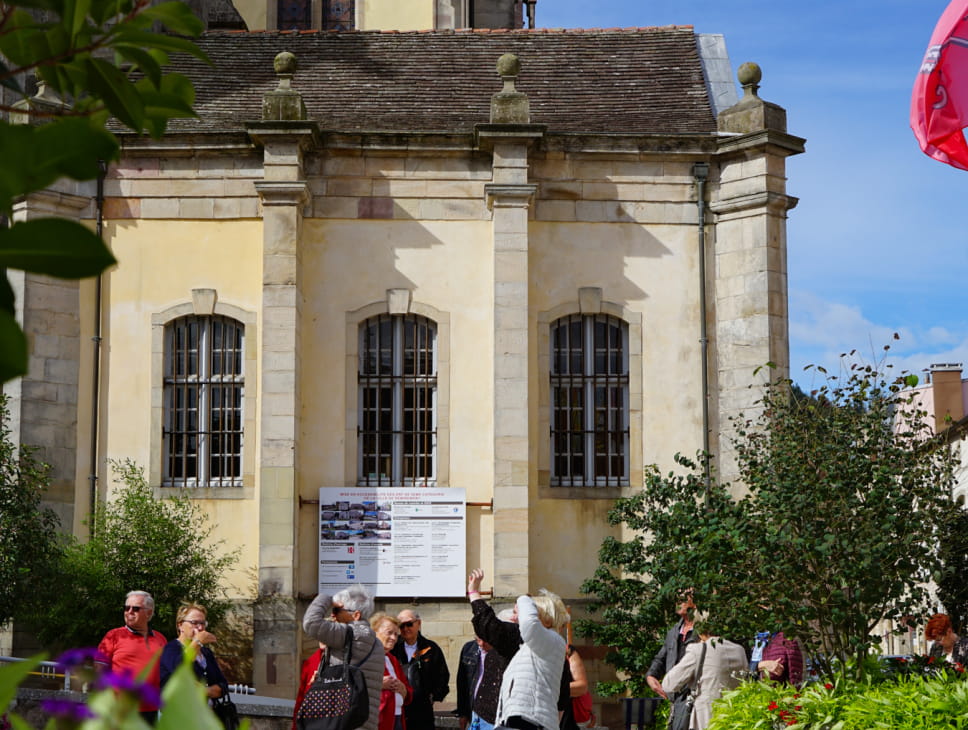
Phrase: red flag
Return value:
(939, 104)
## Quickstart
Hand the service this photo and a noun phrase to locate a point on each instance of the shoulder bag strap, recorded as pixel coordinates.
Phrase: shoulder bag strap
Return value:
(702, 660)
(372, 647)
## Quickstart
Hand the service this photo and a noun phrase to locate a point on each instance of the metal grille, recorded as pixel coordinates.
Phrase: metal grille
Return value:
(397, 432)
(294, 15)
(202, 399)
(589, 401)
(339, 15)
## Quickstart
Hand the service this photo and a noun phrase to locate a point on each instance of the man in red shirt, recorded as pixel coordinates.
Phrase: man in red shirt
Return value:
(134, 646)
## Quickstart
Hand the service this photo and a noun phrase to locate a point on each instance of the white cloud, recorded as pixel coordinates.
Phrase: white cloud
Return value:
(821, 330)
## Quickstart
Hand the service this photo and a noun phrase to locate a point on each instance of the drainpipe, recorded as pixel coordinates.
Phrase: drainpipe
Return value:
(700, 171)
(96, 340)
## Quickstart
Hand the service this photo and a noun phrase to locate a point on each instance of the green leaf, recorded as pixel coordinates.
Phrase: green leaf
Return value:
(911, 380)
(9, 80)
(54, 246)
(118, 93)
(155, 41)
(13, 363)
(142, 59)
(74, 15)
(177, 17)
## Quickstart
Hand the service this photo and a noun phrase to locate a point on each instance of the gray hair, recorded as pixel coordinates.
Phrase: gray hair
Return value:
(149, 601)
(356, 598)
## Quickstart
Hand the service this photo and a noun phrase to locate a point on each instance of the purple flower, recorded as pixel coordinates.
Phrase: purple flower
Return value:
(67, 709)
(79, 657)
(124, 682)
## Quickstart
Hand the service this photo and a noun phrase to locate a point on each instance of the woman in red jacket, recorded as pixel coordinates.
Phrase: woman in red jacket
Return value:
(306, 678)
(396, 690)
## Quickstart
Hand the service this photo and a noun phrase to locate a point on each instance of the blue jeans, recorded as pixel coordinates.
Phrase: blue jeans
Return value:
(478, 723)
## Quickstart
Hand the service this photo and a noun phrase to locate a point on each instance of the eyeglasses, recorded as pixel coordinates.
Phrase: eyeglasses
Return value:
(135, 609)
(337, 609)
(406, 624)
(196, 624)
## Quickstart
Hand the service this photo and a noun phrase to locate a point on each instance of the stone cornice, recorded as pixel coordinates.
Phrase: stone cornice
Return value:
(514, 196)
(306, 134)
(781, 143)
(487, 135)
(282, 192)
(776, 203)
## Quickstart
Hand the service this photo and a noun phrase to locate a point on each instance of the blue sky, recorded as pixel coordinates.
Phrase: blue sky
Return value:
(877, 244)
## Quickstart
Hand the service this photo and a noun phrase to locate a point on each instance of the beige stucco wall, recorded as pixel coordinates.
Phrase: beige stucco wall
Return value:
(351, 265)
(160, 262)
(396, 14)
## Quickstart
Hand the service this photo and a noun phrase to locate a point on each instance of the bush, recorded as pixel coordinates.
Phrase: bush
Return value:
(889, 701)
(162, 546)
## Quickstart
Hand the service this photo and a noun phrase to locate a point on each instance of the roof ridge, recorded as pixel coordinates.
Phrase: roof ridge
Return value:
(478, 31)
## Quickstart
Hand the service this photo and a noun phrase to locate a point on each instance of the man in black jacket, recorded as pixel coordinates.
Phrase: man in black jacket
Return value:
(478, 683)
(426, 669)
(673, 649)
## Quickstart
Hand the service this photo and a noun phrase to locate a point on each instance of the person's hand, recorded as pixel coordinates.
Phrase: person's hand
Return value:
(203, 637)
(474, 581)
(656, 686)
(213, 691)
(770, 667)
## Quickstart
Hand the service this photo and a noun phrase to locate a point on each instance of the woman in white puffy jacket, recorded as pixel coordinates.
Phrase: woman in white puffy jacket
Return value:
(529, 690)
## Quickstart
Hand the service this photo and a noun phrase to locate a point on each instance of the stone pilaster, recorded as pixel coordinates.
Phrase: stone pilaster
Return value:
(44, 403)
(751, 207)
(283, 194)
(509, 197)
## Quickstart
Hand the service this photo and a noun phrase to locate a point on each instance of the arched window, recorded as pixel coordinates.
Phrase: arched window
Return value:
(203, 391)
(589, 401)
(397, 432)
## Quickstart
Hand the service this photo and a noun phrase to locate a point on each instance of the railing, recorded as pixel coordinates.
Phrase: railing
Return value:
(52, 670)
(45, 670)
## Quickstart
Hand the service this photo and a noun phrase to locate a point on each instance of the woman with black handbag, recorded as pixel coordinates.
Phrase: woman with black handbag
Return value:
(193, 634)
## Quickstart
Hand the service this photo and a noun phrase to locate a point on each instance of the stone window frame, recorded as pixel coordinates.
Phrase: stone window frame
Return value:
(204, 303)
(398, 301)
(589, 302)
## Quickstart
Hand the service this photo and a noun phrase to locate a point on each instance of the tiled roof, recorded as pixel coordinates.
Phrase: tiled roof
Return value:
(639, 80)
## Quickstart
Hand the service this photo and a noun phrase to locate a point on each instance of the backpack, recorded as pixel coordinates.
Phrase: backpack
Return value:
(338, 698)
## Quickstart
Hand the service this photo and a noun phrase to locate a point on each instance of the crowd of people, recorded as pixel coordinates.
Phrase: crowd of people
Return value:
(519, 671)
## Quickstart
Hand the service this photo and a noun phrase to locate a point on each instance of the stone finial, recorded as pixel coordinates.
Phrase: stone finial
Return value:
(751, 114)
(509, 66)
(285, 64)
(510, 106)
(283, 104)
(749, 75)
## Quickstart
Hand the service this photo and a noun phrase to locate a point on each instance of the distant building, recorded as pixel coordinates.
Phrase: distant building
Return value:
(944, 397)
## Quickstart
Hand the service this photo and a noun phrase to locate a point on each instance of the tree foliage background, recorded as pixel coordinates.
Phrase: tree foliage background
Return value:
(842, 499)
(96, 60)
(29, 540)
(162, 546)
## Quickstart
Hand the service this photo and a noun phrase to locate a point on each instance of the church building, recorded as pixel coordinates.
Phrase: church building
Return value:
(435, 247)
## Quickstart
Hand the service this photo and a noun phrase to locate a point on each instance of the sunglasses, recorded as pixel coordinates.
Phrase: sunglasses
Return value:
(337, 609)
(406, 624)
(135, 609)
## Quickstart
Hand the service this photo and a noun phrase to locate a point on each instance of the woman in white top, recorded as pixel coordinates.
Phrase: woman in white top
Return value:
(720, 670)
(532, 679)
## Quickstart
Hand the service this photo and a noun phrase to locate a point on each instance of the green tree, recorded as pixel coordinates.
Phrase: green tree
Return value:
(96, 59)
(952, 579)
(163, 546)
(831, 529)
(29, 541)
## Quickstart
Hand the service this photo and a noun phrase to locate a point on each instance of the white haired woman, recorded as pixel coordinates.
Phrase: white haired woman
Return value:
(350, 610)
(532, 679)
